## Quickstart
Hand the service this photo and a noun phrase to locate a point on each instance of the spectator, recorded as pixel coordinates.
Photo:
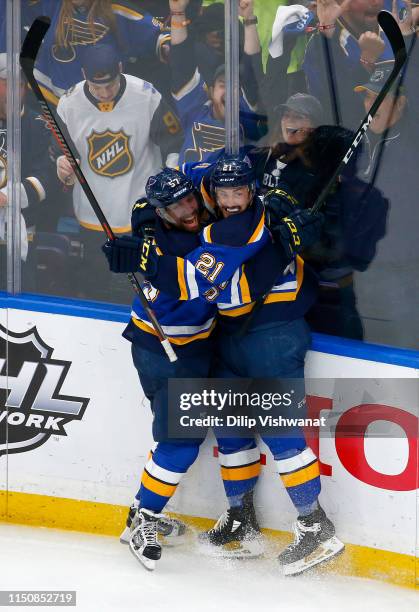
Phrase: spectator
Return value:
(202, 109)
(388, 292)
(355, 220)
(343, 53)
(294, 121)
(209, 34)
(284, 74)
(118, 126)
(38, 177)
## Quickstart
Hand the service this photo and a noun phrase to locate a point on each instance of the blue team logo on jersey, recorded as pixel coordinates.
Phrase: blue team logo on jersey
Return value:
(109, 153)
(32, 407)
(76, 33)
(206, 139)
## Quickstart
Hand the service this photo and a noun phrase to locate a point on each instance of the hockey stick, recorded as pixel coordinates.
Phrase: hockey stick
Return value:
(391, 29)
(29, 52)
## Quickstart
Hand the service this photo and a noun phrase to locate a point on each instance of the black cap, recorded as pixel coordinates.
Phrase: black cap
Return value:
(101, 63)
(304, 104)
(212, 19)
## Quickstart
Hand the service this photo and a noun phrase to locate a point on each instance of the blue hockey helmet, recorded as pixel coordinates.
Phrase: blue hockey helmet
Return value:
(167, 187)
(233, 171)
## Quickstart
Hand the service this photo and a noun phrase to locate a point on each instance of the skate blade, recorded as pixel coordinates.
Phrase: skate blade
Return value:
(149, 564)
(327, 550)
(246, 549)
(125, 536)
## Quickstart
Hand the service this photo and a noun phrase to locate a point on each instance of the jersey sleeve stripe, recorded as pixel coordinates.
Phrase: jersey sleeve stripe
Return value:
(234, 312)
(235, 298)
(98, 228)
(181, 278)
(37, 186)
(207, 234)
(175, 339)
(258, 231)
(288, 296)
(209, 202)
(191, 281)
(124, 11)
(244, 288)
(190, 86)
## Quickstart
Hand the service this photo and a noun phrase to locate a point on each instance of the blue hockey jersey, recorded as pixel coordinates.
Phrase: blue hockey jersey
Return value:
(188, 324)
(214, 268)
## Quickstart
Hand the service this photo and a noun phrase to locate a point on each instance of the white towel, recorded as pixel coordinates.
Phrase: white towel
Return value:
(284, 16)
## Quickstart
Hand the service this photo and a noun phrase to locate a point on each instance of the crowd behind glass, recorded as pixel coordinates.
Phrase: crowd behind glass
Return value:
(304, 67)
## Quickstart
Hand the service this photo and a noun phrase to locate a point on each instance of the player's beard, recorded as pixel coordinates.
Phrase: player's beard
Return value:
(191, 222)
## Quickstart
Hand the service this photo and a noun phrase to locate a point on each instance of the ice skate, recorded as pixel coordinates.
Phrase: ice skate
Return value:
(315, 542)
(143, 541)
(170, 531)
(236, 534)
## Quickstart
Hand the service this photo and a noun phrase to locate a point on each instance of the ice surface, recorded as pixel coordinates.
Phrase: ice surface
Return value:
(107, 577)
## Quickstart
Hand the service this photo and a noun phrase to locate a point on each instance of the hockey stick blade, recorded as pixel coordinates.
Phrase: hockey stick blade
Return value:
(32, 42)
(392, 31)
(29, 52)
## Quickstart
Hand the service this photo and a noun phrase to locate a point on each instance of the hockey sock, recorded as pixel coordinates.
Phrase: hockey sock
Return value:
(163, 472)
(300, 473)
(239, 470)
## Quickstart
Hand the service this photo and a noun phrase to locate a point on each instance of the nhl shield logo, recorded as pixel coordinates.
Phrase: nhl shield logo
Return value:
(109, 153)
(31, 405)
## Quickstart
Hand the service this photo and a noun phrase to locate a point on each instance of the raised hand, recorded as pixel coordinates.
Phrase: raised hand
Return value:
(178, 6)
(246, 9)
(372, 46)
(406, 20)
(328, 11)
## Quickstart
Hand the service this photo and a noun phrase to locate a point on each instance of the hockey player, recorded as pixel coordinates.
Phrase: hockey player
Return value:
(277, 325)
(180, 216)
(176, 217)
(117, 126)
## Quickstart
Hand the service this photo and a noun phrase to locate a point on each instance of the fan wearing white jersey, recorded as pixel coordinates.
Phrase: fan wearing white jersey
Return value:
(120, 129)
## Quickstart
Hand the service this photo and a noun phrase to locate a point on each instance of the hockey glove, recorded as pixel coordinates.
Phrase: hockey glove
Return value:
(298, 231)
(143, 219)
(131, 254)
(278, 204)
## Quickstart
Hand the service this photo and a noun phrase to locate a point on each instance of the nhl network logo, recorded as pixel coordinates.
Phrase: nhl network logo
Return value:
(31, 405)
